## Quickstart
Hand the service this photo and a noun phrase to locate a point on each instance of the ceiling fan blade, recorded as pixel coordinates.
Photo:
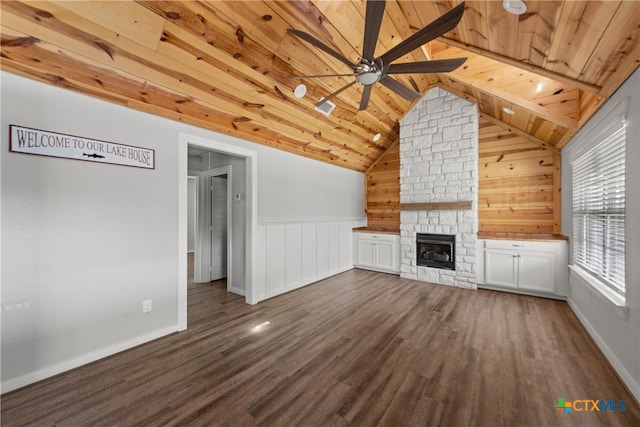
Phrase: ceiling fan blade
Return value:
(364, 101)
(405, 92)
(317, 43)
(443, 24)
(323, 100)
(373, 19)
(316, 76)
(434, 66)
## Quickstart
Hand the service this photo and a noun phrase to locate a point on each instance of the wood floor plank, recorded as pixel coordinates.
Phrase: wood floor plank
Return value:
(360, 348)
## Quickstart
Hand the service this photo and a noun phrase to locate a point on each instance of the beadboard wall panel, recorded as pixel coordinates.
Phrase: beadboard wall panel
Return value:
(295, 254)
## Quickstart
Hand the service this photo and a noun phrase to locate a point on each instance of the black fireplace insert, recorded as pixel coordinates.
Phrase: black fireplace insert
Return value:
(436, 250)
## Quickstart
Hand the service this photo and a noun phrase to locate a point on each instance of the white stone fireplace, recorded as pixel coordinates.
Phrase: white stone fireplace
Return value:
(439, 185)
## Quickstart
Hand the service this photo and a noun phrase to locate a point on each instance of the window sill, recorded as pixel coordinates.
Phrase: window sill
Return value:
(602, 291)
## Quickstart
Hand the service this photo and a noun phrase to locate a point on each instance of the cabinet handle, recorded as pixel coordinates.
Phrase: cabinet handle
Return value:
(517, 246)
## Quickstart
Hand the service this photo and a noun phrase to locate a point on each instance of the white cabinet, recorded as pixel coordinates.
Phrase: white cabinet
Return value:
(378, 252)
(537, 267)
(500, 268)
(536, 271)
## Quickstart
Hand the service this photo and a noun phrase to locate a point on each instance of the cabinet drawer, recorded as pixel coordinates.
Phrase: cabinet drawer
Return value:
(378, 237)
(519, 245)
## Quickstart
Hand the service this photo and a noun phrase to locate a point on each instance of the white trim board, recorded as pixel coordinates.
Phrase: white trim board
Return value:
(625, 376)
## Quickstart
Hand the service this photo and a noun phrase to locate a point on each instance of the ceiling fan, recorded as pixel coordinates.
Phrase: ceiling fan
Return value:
(372, 70)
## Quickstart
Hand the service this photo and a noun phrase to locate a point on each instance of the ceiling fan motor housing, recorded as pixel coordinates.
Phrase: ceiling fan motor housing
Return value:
(368, 74)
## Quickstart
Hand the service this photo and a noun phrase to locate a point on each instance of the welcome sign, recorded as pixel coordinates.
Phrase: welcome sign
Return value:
(52, 144)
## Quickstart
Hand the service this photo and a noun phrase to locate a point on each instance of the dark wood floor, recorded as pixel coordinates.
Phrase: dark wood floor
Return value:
(361, 348)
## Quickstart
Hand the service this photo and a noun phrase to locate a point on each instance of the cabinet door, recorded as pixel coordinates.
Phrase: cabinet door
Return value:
(385, 255)
(366, 253)
(536, 271)
(500, 268)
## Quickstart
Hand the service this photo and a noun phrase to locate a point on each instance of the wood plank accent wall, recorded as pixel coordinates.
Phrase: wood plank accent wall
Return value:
(519, 184)
(382, 193)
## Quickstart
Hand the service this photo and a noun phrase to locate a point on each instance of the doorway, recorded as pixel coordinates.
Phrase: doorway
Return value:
(245, 240)
(214, 256)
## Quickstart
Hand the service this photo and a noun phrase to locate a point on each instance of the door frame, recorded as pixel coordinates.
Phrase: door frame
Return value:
(251, 224)
(202, 273)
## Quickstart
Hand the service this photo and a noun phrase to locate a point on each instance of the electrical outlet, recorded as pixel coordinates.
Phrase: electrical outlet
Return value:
(146, 306)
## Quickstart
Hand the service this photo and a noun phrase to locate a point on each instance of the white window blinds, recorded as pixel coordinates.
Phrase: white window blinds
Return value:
(598, 179)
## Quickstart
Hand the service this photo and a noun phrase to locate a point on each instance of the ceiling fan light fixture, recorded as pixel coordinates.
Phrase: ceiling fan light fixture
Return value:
(369, 77)
(300, 91)
(508, 111)
(514, 7)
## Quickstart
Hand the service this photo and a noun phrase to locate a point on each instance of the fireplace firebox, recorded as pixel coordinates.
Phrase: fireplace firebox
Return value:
(436, 250)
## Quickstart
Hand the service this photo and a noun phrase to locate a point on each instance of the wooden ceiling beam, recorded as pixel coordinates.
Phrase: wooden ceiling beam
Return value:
(587, 87)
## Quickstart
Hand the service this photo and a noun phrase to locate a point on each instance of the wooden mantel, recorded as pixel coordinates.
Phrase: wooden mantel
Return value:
(436, 206)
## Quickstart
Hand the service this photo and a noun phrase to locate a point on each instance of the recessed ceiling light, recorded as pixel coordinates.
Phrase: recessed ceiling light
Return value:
(376, 137)
(300, 91)
(509, 111)
(515, 7)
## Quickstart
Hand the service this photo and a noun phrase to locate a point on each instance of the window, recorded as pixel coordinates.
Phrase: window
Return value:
(598, 179)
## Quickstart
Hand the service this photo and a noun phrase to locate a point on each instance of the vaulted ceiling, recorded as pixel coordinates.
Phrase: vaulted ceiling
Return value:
(225, 65)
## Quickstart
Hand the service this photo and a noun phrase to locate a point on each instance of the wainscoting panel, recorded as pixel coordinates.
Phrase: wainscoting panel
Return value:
(322, 250)
(309, 252)
(293, 258)
(275, 257)
(298, 253)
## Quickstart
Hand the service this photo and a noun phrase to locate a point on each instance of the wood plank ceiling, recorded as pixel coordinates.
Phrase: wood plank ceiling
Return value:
(223, 65)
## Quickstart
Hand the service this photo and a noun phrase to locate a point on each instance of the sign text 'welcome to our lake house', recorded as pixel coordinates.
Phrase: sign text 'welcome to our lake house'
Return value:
(52, 144)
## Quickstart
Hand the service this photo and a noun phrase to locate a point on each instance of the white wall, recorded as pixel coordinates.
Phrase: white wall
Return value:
(83, 243)
(618, 337)
(303, 189)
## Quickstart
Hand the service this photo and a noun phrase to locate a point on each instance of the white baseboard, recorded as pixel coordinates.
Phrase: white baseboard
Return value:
(303, 284)
(83, 359)
(237, 291)
(630, 383)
